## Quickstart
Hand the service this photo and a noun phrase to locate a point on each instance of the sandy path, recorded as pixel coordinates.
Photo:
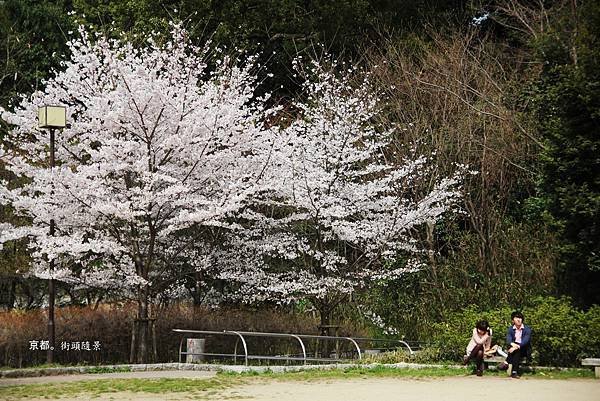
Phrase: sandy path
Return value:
(367, 389)
(434, 389)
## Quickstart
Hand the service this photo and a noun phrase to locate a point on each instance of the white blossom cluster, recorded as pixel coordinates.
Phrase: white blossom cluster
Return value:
(341, 208)
(378, 322)
(162, 152)
(157, 146)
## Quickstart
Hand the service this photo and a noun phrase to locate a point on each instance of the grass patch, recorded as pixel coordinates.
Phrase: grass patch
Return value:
(385, 371)
(103, 386)
(358, 372)
(378, 371)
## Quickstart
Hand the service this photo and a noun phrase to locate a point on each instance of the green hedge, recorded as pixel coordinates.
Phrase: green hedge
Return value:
(562, 335)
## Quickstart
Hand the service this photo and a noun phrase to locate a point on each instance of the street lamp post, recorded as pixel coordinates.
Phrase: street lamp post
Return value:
(51, 117)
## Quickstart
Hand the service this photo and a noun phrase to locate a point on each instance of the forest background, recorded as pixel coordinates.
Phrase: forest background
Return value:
(510, 88)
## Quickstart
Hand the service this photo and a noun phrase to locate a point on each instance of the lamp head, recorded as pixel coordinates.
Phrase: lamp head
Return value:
(52, 117)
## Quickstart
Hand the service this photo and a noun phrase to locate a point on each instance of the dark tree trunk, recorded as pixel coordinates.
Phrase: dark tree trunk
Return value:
(325, 315)
(328, 328)
(143, 337)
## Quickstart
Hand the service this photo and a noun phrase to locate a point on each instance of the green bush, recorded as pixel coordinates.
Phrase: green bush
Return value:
(557, 331)
(562, 335)
(592, 333)
(453, 335)
(424, 355)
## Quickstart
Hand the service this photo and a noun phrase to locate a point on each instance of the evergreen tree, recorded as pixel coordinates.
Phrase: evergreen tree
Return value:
(568, 110)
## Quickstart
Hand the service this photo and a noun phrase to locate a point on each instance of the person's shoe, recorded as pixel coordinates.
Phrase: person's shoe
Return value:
(515, 375)
(479, 372)
(503, 366)
(509, 370)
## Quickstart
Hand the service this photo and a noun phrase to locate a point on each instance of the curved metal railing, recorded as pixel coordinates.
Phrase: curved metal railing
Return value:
(242, 335)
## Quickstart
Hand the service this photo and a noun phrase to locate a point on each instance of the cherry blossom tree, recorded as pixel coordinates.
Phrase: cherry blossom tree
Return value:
(344, 211)
(162, 152)
(159, 148)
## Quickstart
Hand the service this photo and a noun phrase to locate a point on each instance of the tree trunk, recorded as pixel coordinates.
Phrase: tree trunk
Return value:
(141, 333)
(328, 328)
(133, 341)
(13, 291)
(196, 292)
(142, 326)
(324, 308)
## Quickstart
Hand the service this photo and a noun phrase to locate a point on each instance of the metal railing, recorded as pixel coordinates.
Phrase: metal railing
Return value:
(242, 336)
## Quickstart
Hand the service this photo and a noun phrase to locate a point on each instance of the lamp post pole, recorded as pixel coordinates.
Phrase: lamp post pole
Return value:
(52, 117)
(51, 289)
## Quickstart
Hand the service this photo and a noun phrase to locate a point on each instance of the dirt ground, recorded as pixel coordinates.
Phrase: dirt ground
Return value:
(367, 389)
(438, 389)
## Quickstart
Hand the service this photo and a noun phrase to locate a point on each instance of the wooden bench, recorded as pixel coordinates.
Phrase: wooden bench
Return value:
(595, 362)
(497, 359)
(494, 360)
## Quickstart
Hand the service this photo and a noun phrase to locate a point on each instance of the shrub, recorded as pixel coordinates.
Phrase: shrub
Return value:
(558, 332)
(453, 335)
(592, 333)
(562, 335)
(424, 355)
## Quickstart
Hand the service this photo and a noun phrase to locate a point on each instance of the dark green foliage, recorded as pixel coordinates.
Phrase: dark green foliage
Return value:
(289, 24)
(278, 29)
(562, 334)
(568, 112)
(32, 41)
(453, 334)
(414, 302)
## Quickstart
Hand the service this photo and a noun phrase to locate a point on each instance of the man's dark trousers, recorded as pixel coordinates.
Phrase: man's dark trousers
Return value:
(514, 358)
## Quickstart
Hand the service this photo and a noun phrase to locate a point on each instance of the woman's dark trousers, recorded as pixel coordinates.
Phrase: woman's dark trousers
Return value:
(477, 355)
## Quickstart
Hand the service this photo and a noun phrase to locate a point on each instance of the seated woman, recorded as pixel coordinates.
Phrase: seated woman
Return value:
(479, 346)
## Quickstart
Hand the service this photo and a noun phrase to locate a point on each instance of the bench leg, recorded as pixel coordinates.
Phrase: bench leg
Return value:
(597, 370)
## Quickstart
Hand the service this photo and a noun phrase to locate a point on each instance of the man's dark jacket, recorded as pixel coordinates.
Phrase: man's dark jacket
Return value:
(525, 343)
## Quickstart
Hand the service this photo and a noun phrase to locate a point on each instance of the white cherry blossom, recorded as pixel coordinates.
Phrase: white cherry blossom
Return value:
(159, 147)
(343, 212)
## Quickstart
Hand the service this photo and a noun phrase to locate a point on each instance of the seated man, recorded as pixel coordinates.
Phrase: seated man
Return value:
(518, 338)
